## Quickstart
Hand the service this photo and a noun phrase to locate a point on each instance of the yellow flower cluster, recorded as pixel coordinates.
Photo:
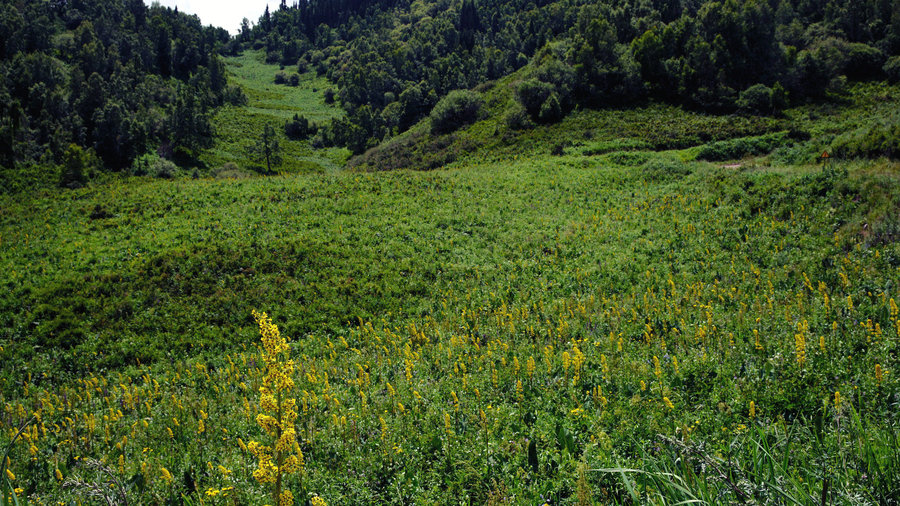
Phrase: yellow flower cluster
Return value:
(278, 413)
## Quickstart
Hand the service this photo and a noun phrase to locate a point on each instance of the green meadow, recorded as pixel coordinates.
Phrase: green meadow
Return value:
(519, 331)
(634, 306)
(238, 127)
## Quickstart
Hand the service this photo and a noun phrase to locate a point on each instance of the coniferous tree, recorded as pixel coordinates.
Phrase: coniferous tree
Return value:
(266, 149)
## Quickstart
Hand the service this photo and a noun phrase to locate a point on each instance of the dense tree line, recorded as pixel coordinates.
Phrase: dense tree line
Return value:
(394, 59)
(105, 79)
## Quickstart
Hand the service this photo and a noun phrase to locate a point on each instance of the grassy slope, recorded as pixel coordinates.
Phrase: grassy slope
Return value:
(459, 277)
(652, 127)
(236, 127)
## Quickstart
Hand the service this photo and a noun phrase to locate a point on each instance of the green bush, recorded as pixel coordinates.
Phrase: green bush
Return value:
(234, 95)
(78, 165)
(664, 169)
(737, 148)
(532, 94)
(892, 68)
(516, 118)
(761, 99)
(163, 169)
(458, 108)
(872, 141)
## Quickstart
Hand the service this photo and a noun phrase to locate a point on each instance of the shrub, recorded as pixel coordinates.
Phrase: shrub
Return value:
(863, 61)
(880, 139)
(663, 169)
(756, 99)
(458, 108)
(892, 68)
(516, 117)
(280, 77)
(551, 109)
(230, 170)
(329, 96)
(294, 80)
(78, 164)
(163, 169)
(234, 95)
(532, 94)
(299, 128)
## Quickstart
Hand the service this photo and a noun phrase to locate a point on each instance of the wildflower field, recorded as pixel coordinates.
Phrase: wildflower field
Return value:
(621, 328)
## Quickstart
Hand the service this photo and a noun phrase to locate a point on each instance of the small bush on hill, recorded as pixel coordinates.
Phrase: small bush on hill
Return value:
(737, 148)
(299, 128)
(892, 68)
(230, 170)
(235, 96)
(664, 169)
(516, 118)
(163, 169)
(78, 165)
(760, 99)
(458, 108)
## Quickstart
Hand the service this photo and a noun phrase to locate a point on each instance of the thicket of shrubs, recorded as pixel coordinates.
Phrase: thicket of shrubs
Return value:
(458, 108)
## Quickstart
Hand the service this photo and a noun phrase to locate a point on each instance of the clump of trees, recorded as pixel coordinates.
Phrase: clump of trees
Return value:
(458, 108)
(113, 79)
(299, 128)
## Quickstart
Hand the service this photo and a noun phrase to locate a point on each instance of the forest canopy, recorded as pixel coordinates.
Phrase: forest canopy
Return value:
(115, 78)
(394, 59)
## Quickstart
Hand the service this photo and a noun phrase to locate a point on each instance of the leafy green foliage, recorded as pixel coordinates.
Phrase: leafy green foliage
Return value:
(118, 78)
(267, 149)
(739, 148)
(882, 138)
(458, 108)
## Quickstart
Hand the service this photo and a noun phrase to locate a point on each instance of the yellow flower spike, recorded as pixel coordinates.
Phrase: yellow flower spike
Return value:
(278, 413)
(166, 475)
(668, 403)
(879, 374)
(752, 409)
(447, 425)
(837, 400)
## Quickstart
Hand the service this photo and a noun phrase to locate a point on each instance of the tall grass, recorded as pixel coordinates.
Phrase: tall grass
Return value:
(848, 460)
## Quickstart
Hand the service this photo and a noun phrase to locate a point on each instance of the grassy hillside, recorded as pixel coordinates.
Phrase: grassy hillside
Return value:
(498, 331)
(840, 124)
(238, 127)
